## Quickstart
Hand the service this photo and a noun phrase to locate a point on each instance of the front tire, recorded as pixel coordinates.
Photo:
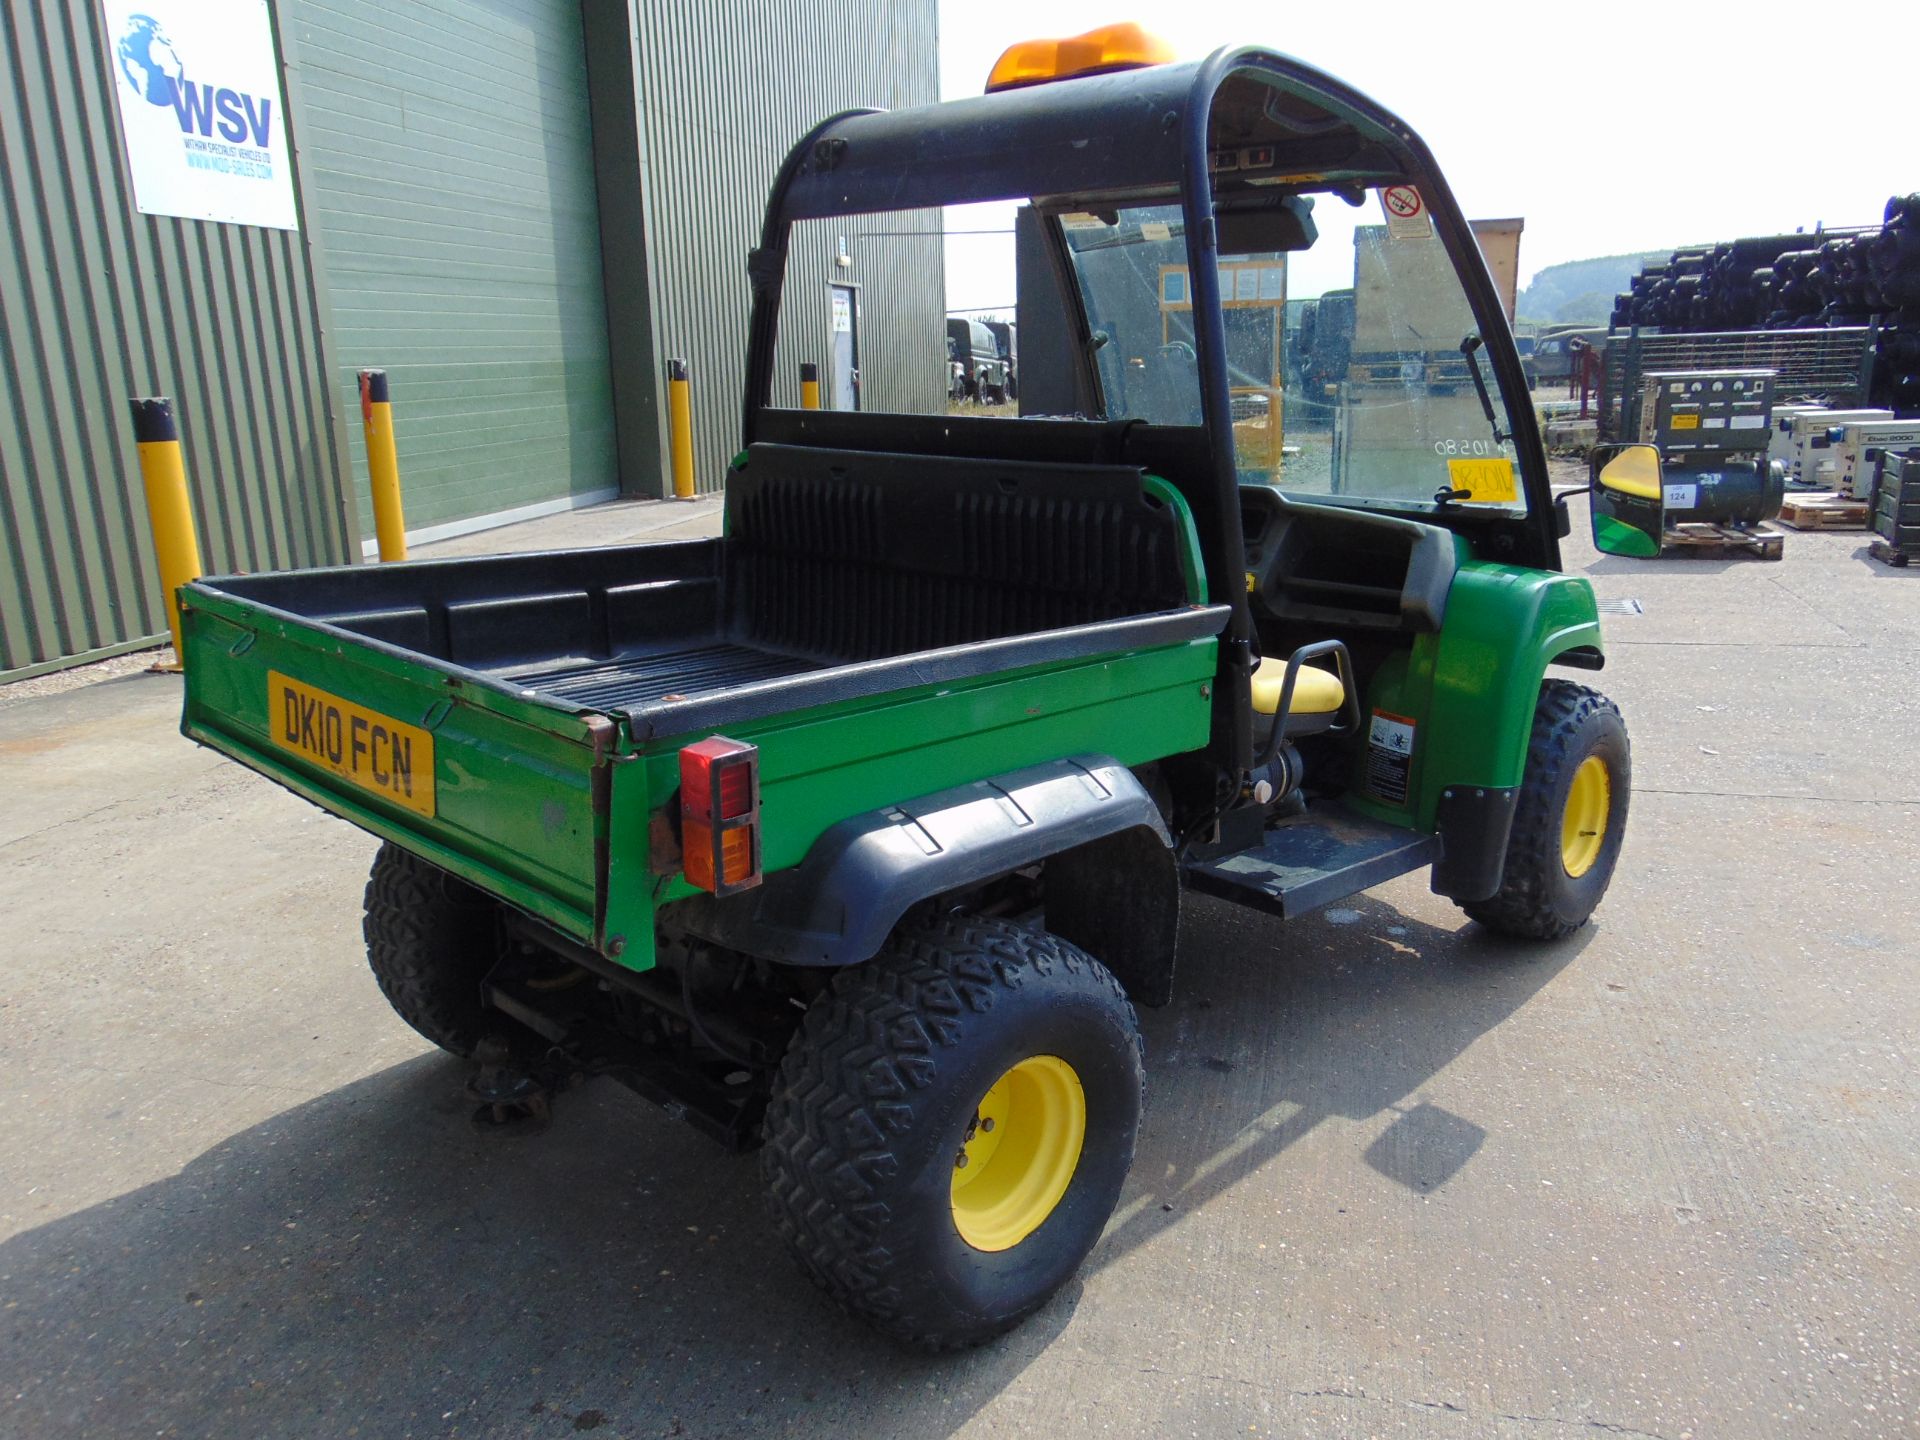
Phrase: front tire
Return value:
(1569, 820)
(951, 1128)
(431, 939)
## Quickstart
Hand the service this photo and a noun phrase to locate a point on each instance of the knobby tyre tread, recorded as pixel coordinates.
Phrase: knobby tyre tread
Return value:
(881, 1054)
(431, 938)
(1537, 899)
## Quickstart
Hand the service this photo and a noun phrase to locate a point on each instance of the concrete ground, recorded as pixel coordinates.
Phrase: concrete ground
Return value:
(623, 522)
(1395, 1178)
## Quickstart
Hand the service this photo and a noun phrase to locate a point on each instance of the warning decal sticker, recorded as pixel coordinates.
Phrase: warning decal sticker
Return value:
(1389, 756)
(1406, 212)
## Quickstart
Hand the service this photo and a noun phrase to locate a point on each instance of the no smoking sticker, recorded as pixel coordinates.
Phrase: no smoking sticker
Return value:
(1403, 200)
(1406, 212)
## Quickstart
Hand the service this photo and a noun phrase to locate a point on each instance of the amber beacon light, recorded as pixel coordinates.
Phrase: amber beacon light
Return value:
(1125, 46)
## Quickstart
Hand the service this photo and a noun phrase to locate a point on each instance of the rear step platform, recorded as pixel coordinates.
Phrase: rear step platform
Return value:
(1313, 860)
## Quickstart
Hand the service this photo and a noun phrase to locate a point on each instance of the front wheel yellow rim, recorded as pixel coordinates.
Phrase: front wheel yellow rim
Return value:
(1583, 829)
(1017, 1158)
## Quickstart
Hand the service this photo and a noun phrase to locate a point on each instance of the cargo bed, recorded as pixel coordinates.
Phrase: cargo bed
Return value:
(873, 639)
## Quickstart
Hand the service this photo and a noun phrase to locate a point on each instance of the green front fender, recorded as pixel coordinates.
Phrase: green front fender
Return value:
(1470, 691)
(1504, 626)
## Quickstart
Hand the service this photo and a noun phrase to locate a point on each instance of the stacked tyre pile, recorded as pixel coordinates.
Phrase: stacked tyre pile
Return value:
(1741, 281)
(1894, 259)
(1736, 286)
(1796, 298)
(1799, 281)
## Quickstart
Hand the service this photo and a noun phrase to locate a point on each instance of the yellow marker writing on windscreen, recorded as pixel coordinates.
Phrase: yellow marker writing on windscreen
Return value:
(1488, 481)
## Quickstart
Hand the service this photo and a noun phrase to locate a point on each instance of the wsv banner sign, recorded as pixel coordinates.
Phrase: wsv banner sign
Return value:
(201, 111)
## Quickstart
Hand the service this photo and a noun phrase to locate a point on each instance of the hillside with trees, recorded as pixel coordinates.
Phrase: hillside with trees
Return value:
(1580, 291)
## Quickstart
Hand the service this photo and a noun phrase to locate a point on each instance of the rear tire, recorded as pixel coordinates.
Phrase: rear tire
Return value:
(1558, 865)
(892, 1079)
(431, 939)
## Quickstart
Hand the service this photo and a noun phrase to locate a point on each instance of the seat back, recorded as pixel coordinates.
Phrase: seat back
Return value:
(849, 555)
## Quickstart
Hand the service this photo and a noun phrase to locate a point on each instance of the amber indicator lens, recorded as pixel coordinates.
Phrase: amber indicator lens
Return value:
(720, 814)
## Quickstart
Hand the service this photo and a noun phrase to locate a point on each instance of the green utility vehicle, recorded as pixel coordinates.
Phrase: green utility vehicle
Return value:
(858, 833)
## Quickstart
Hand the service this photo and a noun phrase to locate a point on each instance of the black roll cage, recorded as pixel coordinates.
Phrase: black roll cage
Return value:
(1135, 130)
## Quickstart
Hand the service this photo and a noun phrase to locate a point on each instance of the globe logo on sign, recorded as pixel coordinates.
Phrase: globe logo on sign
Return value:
(148, 61)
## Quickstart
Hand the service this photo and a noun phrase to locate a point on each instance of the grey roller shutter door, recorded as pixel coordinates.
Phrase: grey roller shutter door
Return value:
(446, 154)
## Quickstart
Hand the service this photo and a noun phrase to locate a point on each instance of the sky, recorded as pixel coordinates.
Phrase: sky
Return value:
(1591, 121)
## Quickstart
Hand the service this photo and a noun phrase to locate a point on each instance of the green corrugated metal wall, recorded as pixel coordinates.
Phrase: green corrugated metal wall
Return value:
(447, 179)
(727, 88)
(447, 164)
(99, 303)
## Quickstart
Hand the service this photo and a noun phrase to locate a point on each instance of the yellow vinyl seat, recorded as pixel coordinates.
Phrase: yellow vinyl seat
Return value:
(1317, 695)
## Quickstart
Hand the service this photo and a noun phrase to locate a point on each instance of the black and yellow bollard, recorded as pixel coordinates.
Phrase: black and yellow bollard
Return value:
(169, 507)
(680, 428)
(809, 386)
(383, 465)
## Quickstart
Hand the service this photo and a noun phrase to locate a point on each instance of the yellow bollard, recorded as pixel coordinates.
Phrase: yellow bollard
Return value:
(169, 507)
(809, 387)
(383, 465)
(680, 428)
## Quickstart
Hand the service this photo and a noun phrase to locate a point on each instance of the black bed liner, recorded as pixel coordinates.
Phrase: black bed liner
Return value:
(843, 575)
(681, 712)
(633, 682)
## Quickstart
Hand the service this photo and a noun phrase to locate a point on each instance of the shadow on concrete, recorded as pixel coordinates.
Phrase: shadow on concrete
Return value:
(1881, 570)
(365, 1262)
(1275, 1028)
(1692, 562)
(1426, 1147)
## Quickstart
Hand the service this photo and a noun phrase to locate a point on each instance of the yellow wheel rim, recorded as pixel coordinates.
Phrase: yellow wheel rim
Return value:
(1583, 829)
(1019, 1152)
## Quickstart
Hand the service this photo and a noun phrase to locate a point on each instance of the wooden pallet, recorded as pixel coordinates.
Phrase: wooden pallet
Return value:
(1824, 512)
(1695, 537)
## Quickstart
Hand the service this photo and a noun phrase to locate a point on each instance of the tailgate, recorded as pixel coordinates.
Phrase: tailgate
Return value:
(504, 789)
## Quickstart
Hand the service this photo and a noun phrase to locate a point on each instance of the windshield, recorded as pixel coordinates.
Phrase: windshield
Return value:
(1351, 363)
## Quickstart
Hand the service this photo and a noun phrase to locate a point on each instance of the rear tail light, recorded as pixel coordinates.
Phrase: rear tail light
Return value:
(720, 814)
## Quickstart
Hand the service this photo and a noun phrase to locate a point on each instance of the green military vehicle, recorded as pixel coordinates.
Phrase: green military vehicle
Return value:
(858, 833)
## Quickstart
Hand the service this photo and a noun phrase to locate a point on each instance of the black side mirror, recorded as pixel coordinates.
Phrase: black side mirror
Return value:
(1629, 511)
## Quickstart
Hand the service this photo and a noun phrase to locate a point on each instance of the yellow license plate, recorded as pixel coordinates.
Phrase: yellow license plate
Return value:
(371, 750)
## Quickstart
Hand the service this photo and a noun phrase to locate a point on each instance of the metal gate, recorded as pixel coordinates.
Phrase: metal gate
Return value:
(1835, 365)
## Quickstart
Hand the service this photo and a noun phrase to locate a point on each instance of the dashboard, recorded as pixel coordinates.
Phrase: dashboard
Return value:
(1331, 566)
